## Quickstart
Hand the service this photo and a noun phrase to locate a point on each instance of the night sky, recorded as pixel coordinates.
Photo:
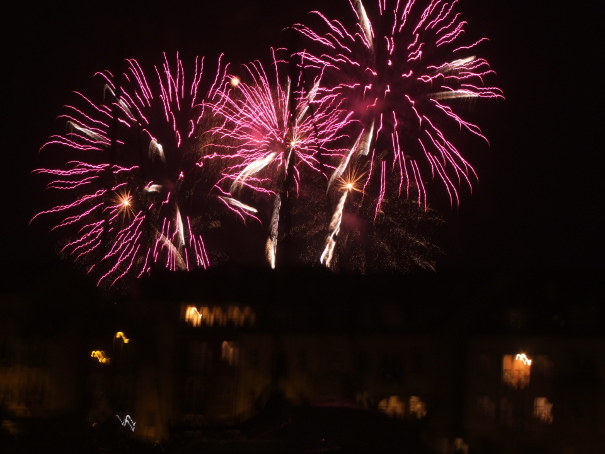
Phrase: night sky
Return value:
(537, 208)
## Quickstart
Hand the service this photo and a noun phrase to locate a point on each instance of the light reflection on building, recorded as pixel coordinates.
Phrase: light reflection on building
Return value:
(120, 335)
(219, 315)
(460, 446)
(229, 352)
(417, 407)
(523, 358)
(392, 406)
(395, 406)
(209, 372)
(127, 422)
(543, 410)
(516, 370)
(100, 356)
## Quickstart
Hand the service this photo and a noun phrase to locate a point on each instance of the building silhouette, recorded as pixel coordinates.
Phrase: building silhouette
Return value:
(254, 357)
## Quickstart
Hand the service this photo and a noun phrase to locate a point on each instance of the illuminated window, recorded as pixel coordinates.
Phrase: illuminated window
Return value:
(192, 316)
(216, 316)
(543, 410)
(120, 335)
(100, 356)
(248, 316)
(392, 406)
(417, 407)
(516, 370)
(460, 447)
(122, 353)
(219, 316)
(230, 353)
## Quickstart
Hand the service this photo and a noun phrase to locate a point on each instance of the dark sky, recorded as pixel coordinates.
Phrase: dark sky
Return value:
(536, 209)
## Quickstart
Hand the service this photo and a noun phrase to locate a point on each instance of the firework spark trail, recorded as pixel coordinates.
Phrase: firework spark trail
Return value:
(395, 68)
(129, 177)
(271, 246)
(348, 182)
(127, 422)
(328, 252)
(273, 131)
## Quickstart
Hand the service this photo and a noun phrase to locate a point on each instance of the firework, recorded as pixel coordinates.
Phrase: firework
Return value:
(340, 142)
(129, 179)
(274, 130)
(402, 68)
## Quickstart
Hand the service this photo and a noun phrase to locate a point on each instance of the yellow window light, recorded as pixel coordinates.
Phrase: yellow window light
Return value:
(100, 356)
(120, 335)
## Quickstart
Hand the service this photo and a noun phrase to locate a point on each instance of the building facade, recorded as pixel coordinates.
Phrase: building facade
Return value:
(179, 368)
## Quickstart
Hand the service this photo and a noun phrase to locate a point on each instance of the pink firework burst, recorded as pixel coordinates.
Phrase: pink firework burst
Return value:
(274, 129)
(128, 180)
(402, 69)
